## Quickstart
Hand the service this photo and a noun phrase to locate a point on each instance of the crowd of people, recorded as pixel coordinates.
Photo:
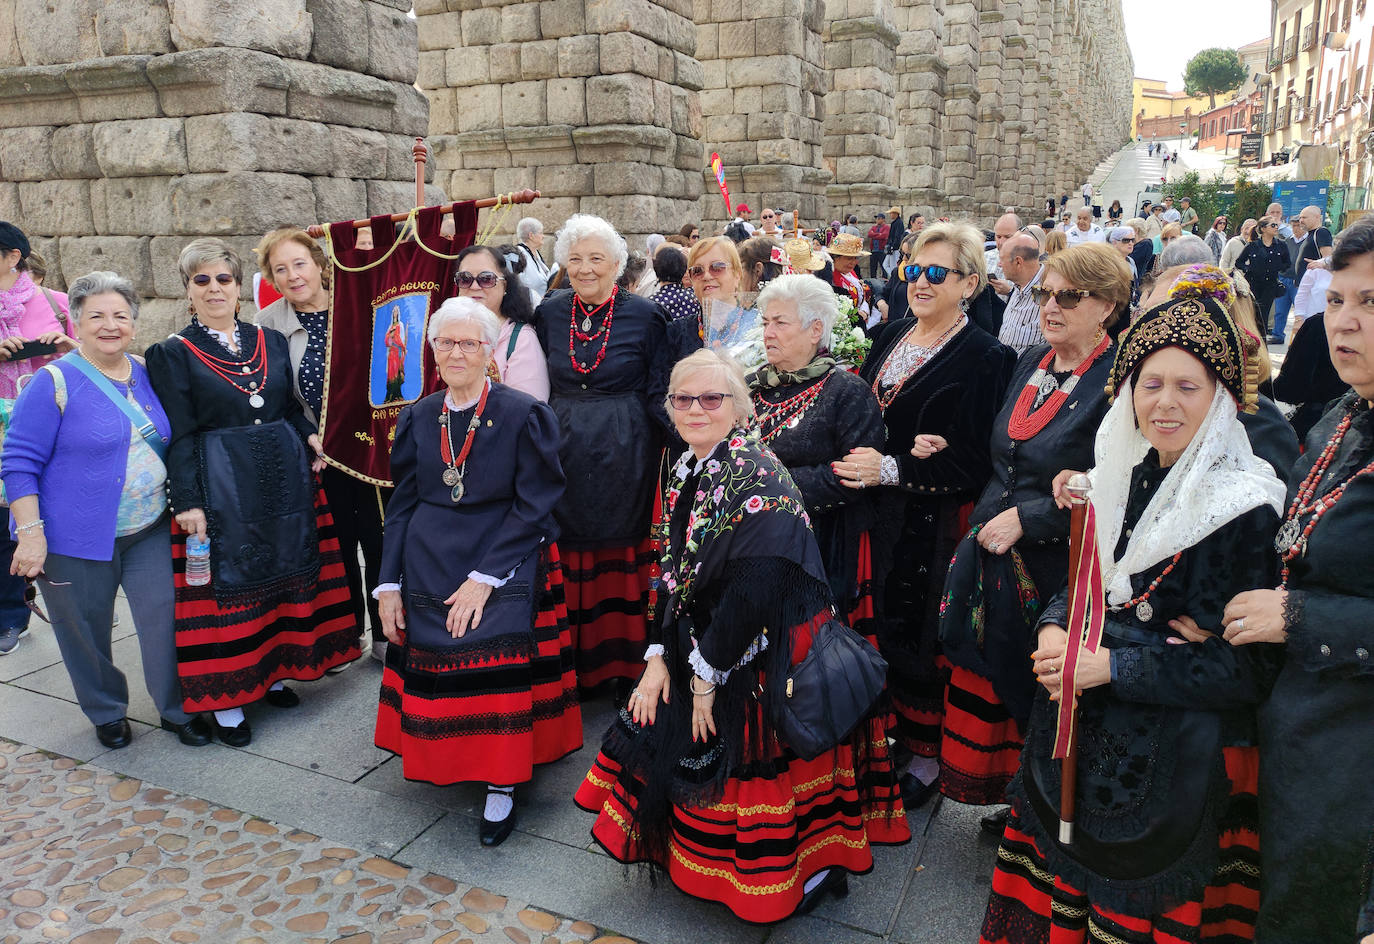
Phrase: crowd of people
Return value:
(692, 477)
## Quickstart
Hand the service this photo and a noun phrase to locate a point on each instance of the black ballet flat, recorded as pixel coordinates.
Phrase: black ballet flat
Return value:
(115, 734)
(916, 794)
(493, 834)
(194, 733)
(282, 698)
(240, 736)
(995, 824)
(836, 883)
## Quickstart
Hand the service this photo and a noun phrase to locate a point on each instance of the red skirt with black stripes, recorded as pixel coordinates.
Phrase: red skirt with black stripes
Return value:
(455, 719)
(608, 610)
(980, 746)
(228, 656)
(1031, 905)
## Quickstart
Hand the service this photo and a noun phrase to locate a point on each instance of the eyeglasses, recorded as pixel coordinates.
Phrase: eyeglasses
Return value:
(717, 269)
(1125, 239)
(1067, 298)
(708, 401)
(483, 279)
(767, 216)
(467, 345)
(935, 274)
(202, 279)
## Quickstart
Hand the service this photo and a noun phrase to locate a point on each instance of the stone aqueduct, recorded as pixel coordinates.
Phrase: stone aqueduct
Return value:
(129, 126)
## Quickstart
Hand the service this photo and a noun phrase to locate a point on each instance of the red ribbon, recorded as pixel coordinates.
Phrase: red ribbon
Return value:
(1087, 613)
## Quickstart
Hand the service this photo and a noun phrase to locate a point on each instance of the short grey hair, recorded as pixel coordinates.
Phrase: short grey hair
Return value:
(205, 251)
(98, 283)
(727, 369)
(582, 226)
(528, 227)
(1185, 250)
(815, 301)
(459, 310)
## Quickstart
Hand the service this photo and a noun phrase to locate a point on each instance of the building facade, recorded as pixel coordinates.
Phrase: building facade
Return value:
(1295, 55)
(1341, 109)
(1152, 103)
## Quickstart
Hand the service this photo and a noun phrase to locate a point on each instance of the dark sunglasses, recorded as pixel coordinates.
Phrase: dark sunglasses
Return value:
(1067, 298)
(484, 279)
(935, 274)
(708, 401)
(717, 269)
(202, 279)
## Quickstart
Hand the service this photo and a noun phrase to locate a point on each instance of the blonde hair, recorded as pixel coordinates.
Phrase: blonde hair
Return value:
(263, 250)
(1255, 349)
(727, 247)
(1056, 241)
(723, 366)
(1171, 231)
(968, 248)
(1099, 269)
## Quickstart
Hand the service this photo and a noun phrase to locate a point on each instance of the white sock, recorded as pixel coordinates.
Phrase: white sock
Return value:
(815, 880)
(277, 686)
(924, 769)
(500, 801)
(229, 718)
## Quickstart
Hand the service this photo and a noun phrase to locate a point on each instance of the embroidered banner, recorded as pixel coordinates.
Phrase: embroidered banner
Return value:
(378, 360)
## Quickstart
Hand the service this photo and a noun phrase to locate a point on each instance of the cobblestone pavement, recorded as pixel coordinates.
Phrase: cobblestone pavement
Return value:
(91, 857)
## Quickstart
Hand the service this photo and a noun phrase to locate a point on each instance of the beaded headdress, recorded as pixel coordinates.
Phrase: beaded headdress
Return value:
(1199, 325)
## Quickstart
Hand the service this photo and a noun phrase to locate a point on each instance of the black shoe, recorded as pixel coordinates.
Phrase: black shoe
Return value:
(194, 733)
(836, 883)
(494, 833)
(241, 736)
(916, 794)
(282, 698)
(116, 734)
(994, 824)
(1274, 339)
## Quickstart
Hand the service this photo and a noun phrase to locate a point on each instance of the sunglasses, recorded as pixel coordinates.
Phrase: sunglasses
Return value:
(202, 279)
(708, 401)
(467, 345)
(483, 279)
(935, 274)
(1067, 298)
(768, 216)
(717, 269)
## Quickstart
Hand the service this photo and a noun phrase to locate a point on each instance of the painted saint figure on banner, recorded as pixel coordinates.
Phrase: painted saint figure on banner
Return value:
(398, 332)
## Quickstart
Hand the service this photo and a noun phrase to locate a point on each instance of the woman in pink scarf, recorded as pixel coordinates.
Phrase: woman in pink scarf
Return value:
(28, 314)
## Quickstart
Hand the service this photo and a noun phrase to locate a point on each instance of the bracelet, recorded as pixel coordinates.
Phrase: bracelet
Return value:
(692, 688)
(25, 528)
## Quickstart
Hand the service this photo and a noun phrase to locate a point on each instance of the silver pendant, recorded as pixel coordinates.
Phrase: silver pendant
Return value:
(796, 421)
(1287, 536)
(457, 492)
(245, 369)
(1048, 385)
(256, 401)
(252, 385)
(443, 418)
(587, 325)
(451, 477)
(1144, 612)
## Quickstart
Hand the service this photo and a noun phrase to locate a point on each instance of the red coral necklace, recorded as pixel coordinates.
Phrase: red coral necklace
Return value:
(1025, 424)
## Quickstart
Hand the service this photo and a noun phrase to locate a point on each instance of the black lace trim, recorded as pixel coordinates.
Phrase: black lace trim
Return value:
(1294, 607)
(308, 661)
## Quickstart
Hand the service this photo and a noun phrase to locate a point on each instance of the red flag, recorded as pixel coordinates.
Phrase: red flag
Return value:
(1087, 613)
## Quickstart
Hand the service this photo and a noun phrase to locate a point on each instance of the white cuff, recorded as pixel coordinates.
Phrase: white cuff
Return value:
(888, 473)
(704, 671)
(655, 650)
(490, 581)
(385, 588)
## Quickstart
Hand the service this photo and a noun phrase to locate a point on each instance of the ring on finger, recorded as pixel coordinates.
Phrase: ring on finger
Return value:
(1239, 624)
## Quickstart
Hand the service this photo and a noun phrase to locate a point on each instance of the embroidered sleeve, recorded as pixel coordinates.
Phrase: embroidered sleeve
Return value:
(888, 474)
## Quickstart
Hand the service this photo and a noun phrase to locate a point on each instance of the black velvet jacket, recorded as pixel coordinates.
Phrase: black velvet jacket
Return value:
(844, 416)
(1317, 729)
(955, 394)
(612, 419)
(1151, 780)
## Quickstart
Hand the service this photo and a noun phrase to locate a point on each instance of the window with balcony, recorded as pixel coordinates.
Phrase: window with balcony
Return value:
(1309, 36)
(1290, 48)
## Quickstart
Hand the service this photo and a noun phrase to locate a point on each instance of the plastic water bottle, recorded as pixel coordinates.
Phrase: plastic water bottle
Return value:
(197, 561)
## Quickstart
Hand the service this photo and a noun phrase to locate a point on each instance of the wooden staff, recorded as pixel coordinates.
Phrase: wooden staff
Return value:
(1078, 487)
(421, 155)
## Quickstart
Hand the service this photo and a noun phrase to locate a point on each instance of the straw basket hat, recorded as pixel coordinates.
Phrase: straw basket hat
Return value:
(803, 258)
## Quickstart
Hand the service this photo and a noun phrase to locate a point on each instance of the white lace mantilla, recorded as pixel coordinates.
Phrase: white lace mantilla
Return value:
(1216, 480)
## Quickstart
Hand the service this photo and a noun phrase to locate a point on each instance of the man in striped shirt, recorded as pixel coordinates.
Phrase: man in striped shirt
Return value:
(1021, 266)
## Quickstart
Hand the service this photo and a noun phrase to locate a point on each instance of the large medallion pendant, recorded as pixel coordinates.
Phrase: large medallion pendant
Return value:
(1144, 612)
(587, 325)
(457, 492)
(256, 401)
(451, 477)
(1287, 536)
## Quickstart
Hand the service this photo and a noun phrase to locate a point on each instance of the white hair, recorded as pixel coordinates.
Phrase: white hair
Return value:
(460, 310)
(582, 226)
(1185, 250)
(528, 227)
(726, 369)
(815, 301)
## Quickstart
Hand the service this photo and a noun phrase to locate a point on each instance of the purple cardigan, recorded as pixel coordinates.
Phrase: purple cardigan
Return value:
(74, 459)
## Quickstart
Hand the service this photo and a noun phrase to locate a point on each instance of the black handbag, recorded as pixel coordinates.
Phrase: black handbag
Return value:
(830, 691)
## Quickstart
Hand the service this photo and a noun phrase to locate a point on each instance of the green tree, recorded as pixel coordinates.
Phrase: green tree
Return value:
(1252, 199)
(1211, 71)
